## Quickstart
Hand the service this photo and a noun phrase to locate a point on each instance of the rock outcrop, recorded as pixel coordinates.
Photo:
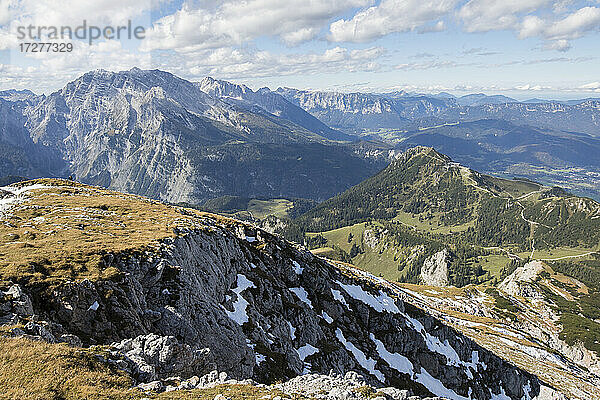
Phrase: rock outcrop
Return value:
(251, 305)
(518, 283)
(435, 269)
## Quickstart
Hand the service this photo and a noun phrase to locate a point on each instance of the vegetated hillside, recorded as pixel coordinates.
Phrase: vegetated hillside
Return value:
(152, 133)
(543, 319)
(532, 249)
(499, 147)
(423, 202)
(171, 293)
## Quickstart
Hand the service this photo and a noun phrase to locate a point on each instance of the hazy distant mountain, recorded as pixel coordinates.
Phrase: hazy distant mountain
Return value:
(500, 147)
(510, 143)
(583, 117)
(19, 95)
(364, 111)
(481, 99)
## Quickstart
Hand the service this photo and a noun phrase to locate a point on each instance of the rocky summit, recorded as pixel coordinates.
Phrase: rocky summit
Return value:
(150, 300)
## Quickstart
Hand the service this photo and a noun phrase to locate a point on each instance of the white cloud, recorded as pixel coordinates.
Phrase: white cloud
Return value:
(489, 15)
(559, 45)
(529, 87)
(53, 72)
(558, 33)
(391, 16)
(73, 12)
(432, 65)
(593, 87)
(232, 63)
(575, 25)
(233, 23)
(5, 11)
(531, 26)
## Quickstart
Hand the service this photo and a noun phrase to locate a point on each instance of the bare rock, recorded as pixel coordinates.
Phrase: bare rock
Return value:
(435, 269)
(157, 356)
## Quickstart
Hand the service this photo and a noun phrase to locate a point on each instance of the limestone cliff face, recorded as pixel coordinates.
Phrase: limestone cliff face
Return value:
(245, 302)
(435, 269)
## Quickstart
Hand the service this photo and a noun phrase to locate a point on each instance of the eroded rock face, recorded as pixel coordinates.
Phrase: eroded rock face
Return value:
(16, 304)
(269, 311)
(153, 356)
(435, 269)
(517, 283)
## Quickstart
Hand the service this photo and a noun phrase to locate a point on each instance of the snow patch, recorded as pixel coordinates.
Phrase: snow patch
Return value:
(17, 194)
(395, 360)
(415, 323)
(259, 358)
(297, 268)
(94, 306)
(381, 303)
(306, 350)
(361, 358)
(302, 295)
(238, 314)
(436, 387)
(326, 317)
(337, 295)
(436, 345)
(292, 330)
(499, 396)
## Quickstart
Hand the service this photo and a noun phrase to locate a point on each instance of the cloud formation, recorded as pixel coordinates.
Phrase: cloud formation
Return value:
(392, 16)
(233, 23)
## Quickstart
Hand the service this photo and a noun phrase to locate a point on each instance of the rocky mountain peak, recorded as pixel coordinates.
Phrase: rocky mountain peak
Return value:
(220, 88)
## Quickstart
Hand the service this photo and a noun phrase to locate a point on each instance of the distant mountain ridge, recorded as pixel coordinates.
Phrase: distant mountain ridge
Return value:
(152, 133)
(356, 111)
(269, 101)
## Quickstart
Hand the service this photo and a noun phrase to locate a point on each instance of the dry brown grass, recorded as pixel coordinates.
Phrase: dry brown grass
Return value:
(41, 371)
(61, 232)
(38, 370)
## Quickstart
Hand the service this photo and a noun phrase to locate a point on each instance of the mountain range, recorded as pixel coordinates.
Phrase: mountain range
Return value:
(151, 133)
(154, 134)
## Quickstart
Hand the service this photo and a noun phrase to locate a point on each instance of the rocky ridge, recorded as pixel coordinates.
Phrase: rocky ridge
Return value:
(231, 297)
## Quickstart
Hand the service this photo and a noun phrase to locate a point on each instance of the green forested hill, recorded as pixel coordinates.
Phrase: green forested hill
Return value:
(423, 202)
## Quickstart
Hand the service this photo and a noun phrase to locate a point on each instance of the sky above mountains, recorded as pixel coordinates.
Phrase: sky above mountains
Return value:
(521, 48)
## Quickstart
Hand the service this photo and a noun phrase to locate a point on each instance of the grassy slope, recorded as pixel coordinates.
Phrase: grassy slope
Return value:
(38, 370)
(60, 232)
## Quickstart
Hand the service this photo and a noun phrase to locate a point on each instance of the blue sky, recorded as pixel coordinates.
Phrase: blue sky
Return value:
(520, 48)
